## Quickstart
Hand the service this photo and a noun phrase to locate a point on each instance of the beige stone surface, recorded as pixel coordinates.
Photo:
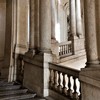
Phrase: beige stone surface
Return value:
(22, 25)
(90, 83)
(98, 24)
(90, 31)
(75, 63)
(72, 17)
(36, 73)
(2, 29)
(45, 25)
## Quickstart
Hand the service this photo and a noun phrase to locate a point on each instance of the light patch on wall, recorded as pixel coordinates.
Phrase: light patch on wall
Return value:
(57, 31)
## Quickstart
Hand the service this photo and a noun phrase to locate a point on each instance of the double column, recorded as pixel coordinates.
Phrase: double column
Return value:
(33, 26)
(90, 32)
(45, 25)
(75, 18)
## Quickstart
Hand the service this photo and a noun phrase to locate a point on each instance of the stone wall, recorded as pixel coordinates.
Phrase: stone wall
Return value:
(98, 25)
(22, 25)
(2, 30)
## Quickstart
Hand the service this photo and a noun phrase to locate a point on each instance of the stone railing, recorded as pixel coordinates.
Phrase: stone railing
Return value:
(65, 48)
(65, 81)
(20, 68)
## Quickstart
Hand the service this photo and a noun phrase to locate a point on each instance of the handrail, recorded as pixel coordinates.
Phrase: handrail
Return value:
(63, 43)
(64, 69)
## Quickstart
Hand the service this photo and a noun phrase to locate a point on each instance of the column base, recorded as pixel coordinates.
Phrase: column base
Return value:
(93, 64)
(90, 83)
(36, 73)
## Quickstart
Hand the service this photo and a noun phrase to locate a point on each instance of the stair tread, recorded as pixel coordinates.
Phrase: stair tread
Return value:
(17, 96)
(14, 91)
(10, 87)
(9, 92)
(36, 98)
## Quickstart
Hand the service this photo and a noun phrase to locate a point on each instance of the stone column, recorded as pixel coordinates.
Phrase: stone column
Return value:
(90, 32)
(89, 76)
(45, 25)
(72, 18)
(31, 24)
(54, 42)
(39, 68)
(78, 18)
(31, 28)
(53, 18)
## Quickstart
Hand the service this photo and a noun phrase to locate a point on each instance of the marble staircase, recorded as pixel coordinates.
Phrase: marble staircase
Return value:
(14, 91)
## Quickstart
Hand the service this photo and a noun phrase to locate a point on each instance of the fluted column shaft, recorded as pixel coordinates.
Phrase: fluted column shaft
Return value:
(45, 25)
(90, 32)
(72, 18)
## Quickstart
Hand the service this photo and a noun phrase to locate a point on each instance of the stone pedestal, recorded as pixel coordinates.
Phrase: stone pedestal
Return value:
(55, 50)
(78, 45)
(90, 83)
(36, 73)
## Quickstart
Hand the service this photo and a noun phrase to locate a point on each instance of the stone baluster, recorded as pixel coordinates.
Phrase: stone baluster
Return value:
(69, 86)
(75, 94)
(45, 26)
(59, 50)
(63, 49)
(59, 82)
(51, 78)
(64, 90)
(80, 91)
(90, 33)
(66, 48)
(55, 80)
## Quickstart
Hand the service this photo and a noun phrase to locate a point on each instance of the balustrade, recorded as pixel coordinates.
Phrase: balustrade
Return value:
(65, 48)
(65, 81)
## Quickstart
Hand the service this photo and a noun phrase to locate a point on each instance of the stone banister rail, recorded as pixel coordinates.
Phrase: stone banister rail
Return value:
(65, 48)
(65, 81)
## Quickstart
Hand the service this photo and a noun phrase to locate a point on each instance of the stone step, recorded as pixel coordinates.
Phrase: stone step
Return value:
(12, 87)
(6, 84)
(10, 92)
(18, 96)
(36, 98)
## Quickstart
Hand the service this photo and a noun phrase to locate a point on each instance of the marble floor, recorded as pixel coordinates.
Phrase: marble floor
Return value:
(78, 64)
